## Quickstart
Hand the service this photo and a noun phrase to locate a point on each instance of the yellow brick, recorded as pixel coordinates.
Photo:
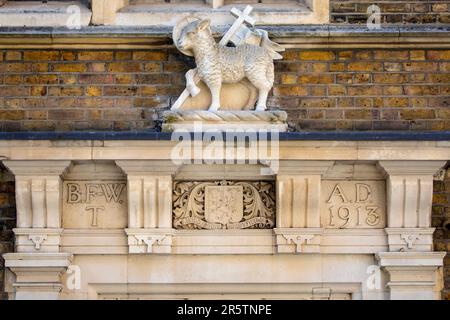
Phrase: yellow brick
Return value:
(41, 55)
(38, 91)
(417, 55)
(291, 91)
(150, 55)
(13, 55)
(317, 55)
(95, 55)
(69, 67)
(94, 91)
(288, 79)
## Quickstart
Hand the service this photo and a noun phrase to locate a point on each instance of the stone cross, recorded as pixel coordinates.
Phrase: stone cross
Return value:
(243, 17)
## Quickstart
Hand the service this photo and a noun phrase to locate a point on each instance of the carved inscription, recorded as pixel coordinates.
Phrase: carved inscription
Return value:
(353, 204)
(94, 204)
(224, 205)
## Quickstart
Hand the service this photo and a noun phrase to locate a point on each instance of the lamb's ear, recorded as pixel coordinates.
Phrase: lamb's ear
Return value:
(203, 24)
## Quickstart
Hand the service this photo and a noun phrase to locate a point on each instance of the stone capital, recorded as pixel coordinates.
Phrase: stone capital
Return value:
(412, 275)
(38, 275)
(406, 168)
(37, 167)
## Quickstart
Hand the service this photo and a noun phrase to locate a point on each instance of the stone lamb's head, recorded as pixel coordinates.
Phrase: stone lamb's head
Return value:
(194, 34)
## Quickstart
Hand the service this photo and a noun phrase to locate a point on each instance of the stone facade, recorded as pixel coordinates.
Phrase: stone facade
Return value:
(94, 215)
(393, 11)
(403, 89)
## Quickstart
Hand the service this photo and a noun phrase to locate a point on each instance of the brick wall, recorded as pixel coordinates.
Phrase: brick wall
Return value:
(7, 220)
(320, 90)
(441, 221)
(392, 11)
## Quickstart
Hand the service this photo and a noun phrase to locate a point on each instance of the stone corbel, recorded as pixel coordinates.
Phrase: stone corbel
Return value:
(412, 275)
(37, 239)
(410, 239)
(298, 240)
(38, 202)
(149, 205)
(37, 275)
(150, 240)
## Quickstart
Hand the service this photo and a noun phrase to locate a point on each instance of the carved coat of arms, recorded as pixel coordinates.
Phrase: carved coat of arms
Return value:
(224, 205)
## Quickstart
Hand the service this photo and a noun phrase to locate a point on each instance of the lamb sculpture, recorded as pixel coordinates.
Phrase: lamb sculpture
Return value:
(217, 64)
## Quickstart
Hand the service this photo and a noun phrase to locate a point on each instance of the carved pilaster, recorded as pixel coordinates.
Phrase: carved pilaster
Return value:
(149, 205)
(38, 201)
(38, 275)
(412, 275)
(298, 205)
(409, 200)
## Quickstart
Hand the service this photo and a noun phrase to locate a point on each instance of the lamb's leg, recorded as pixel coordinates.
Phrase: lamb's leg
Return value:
(262, 79)
(215, 95)
(262, 100)
(191, 83)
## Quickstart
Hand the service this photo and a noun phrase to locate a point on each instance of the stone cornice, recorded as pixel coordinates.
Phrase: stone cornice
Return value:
(299, 36)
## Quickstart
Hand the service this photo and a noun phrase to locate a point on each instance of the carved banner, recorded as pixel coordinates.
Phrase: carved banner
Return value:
(95, 204)
(353, 204)
(224, 205)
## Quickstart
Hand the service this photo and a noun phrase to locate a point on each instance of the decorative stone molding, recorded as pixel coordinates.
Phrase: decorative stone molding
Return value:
(410, 239)
(38, 275)
(200, 120)
(298, 240)
(37, 239)
(410, 191)
(38, 202)
(149, 240)
(412, 275)
(298, 193)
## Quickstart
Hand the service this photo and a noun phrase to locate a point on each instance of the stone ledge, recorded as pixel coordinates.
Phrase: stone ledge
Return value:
(284, 136)
(36, 13)
(296, 36)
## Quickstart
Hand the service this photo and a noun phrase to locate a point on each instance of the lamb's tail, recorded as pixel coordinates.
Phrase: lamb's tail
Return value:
(271, 46)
